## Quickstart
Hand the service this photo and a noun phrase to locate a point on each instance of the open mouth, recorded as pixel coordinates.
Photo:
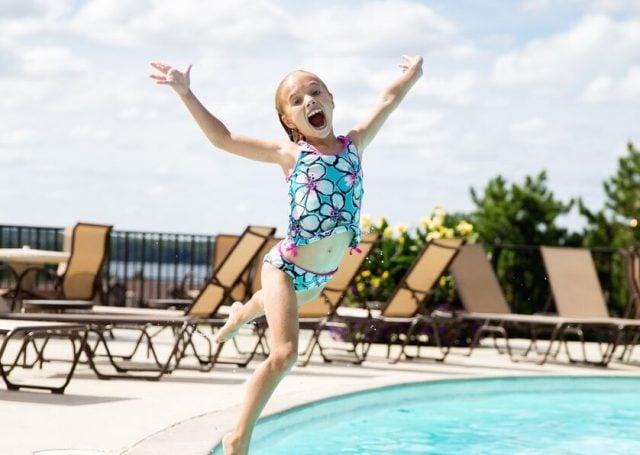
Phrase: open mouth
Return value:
(317, 119)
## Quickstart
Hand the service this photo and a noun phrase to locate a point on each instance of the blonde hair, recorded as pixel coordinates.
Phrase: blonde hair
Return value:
(294, 134)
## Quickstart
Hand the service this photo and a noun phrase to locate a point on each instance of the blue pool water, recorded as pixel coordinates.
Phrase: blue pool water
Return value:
(549, 415)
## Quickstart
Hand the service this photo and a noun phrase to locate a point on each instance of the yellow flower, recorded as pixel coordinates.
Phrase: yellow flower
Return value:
(365, 222)
(388, 232)
(375, 282)
(439, 211)
(381, 222)
(434, 235)
(447, 233)
(401, 228)
(360, 287)
(464, 228)
(425, 222)
(366, 273)
(385, 274)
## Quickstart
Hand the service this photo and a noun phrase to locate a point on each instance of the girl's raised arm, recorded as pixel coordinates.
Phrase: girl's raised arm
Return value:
(390, 98)
(212, 127)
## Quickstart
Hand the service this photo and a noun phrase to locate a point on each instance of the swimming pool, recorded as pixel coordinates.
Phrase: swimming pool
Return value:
(550, 415)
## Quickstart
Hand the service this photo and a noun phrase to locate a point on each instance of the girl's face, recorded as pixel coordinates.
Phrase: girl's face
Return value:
(306, 105)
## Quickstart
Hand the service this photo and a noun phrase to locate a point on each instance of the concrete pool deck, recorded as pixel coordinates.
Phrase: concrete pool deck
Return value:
(187, 412)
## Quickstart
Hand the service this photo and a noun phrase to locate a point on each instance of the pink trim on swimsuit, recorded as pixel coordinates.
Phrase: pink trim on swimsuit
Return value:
(300, 267)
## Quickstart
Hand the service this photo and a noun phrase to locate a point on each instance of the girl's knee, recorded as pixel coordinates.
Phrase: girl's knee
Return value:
(285, 357)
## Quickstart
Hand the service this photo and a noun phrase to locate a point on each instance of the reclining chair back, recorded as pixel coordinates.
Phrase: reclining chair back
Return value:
(89, 248)
(230, 271)
(421, 278)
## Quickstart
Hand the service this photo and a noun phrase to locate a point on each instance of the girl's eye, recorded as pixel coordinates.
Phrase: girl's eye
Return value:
(315, 92)
(296, 101)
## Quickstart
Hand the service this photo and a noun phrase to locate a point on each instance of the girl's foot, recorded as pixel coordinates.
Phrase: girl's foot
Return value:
(231, 327)
(232, 445)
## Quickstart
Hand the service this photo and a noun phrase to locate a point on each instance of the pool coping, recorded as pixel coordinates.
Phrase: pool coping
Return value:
(201, 434)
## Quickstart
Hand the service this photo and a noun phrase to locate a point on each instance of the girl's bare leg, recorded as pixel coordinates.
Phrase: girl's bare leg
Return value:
(281, 310)
(241, 313)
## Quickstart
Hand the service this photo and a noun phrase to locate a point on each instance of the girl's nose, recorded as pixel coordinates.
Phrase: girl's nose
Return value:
(310, 101)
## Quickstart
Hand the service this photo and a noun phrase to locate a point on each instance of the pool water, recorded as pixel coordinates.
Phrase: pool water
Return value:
(550, 415)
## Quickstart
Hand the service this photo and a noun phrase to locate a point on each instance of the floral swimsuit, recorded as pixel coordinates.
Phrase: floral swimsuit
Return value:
(325, 194)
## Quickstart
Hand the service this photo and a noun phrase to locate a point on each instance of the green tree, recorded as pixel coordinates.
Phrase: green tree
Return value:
(514, 220)
(615, 226)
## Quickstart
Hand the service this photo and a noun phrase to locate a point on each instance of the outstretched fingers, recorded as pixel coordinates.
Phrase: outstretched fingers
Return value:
(162, 67)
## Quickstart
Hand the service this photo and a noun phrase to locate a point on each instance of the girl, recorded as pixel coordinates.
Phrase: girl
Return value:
(325, 192)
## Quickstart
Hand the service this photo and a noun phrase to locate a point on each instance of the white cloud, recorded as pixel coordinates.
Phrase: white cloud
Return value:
(616, 6)
(17, 137)
(538, 131)
(455, 89)
(44, 62)
(604, 89)
(199, 24)
(554, 64)
(377, 28)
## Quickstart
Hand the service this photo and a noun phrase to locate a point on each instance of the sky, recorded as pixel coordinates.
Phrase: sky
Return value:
(510, 88)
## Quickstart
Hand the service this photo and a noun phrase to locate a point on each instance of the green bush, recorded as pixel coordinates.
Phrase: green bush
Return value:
(398, 250)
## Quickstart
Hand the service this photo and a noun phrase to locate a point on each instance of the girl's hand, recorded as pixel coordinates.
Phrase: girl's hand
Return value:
(177, 80)
(412, 65)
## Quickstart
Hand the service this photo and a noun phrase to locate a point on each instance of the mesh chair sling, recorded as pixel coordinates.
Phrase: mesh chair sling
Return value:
(77, 280)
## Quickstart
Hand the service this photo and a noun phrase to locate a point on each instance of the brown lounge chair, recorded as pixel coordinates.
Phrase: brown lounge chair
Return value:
(222, 245)
(485, 303)
(577, 294)
(32, 339)
(204, 310)
(315, 314)
(405, 306)
(76, 283)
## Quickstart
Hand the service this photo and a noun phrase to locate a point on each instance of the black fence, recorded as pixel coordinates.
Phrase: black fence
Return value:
(146, 265)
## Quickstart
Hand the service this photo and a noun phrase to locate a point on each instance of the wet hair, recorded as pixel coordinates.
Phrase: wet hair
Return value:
(294, 134)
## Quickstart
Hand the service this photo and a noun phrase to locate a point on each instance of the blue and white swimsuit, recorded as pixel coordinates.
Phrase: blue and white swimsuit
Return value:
(325, 195)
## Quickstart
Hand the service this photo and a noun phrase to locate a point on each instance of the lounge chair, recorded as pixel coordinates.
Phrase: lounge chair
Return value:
(315, 314)
(32, 338)
(204, 310)
(485, 303)
(404, 308)
(76, 283)
(578, 295)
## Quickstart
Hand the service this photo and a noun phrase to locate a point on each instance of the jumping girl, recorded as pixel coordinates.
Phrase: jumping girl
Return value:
(324, 176)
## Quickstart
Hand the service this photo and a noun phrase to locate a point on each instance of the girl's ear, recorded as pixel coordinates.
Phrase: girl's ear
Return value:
(287, 122)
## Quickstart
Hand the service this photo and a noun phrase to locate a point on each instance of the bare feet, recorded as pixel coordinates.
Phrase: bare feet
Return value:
(231, 327)
(232, 445)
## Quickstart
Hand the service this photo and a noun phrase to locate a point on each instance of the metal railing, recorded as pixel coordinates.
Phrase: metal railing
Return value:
(145, 265)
